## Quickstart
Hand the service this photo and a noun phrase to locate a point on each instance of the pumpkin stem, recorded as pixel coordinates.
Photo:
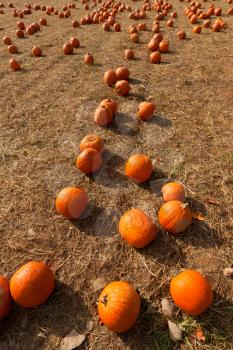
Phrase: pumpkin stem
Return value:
(185, 205)
(104, 300)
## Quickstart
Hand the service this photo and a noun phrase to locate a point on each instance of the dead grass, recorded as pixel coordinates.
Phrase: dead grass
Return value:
(46, 109)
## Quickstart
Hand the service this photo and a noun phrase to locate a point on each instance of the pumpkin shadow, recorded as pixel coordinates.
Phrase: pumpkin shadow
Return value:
(97, 221)
(161, 121)
(124, 125)
(64, 311)
(199, 233)
(155, 183)
(134, 81)
(149, 329)
(110, 175)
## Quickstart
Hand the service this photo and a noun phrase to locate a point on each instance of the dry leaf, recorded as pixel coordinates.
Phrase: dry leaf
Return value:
(198, 216)
(72, 340)
(228, 271)
(210, 200)
(199, 334)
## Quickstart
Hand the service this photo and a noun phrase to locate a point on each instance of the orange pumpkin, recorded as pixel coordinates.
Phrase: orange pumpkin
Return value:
(43, 21)
(75, 24)
(89, 161)
(32, 284)
(109, 103)
(68, 49)
(117, 27)
(7, 40)
(119, 306)
(137, 228)
(170, 23)
(197, 29)
(110, 77)
(14, 65)
(129, 54)
(92, 141)
(122, 73)
(12, 49)
(173, 191)
(216, 27)
(122, 87)
(153, 45)
(36, 51)
(134, 38)
(19, 33)
(88, 59)
(146, 110)
(139, 168)
(103, 116)
(5, 297)
(164, 46)
(71, 202)
(155, 57)
(191, 292)
(74, 42)
(181, 34)
(175, 216)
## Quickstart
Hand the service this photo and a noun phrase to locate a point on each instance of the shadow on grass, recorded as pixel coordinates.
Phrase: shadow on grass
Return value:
(64, 311)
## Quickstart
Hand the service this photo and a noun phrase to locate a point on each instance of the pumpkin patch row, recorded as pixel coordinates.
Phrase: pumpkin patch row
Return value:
(119, 303)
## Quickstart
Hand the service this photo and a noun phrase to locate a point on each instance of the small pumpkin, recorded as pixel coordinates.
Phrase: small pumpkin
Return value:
(43, 21)
(36, 51)
(134, 38)
(164, 46)
(207, 23)
(103, 116)
(216, 27)
(175, 216)
(129, 54)
(173, 191)
(181, 34)
(170, 23)
(122, 73)
(106, 27)
(92, 141)
(146, 110)
(191, 292)
(14, 65)
(7, 40)
(67, 49)
(122, 87)
(109, 103)
(153, 45)
(75, 24)
(155, 57)
(32, 284)
(12, 49)
(5, 297)
(74, 42)
(19, 33)
(89, 161)
(71, 202)
(197, 29)
(137, 228)
(119, 306)
(139, 168)
(117, 27)
(110, 77)
(88, 59)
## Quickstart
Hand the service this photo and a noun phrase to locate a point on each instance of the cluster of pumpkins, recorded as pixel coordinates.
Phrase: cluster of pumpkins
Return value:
(119, 303)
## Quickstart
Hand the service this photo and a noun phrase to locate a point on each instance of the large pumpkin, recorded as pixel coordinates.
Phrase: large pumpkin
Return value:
(32, 284)
(92, 141)
(119, 306)
(89, 161)
(173, 191)
(137, 228)
(191, 292)
(175, 216)
(71, 202)
(5, 297)
(139, 168)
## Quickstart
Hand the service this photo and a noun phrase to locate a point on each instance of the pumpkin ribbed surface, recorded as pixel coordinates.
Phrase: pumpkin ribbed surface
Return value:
(139, 168)
(119, 306)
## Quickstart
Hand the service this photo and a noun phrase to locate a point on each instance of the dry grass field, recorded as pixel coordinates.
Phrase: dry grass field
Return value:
(46, 109)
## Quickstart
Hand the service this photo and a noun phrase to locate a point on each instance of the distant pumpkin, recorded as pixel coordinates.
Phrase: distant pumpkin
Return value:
(139, 168)
(123, 87)
(137, 228)
(103, 116)
(146, 110)
(173, 191)
(92, 141)
(71, 202)
(109, 103)
(122, 73)
(110, 77)
(89, 161)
